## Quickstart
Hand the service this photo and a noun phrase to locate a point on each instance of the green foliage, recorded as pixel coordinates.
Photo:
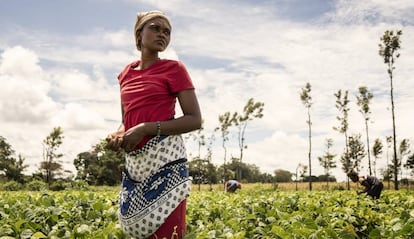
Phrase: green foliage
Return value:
(253, 212)
(69, 214)
(100, 166)
(50, 167)
(12, 186)
(282, 175)
(80, 185)
(36, 185)
(275, 214)
(59, 185)
(202, 171)
(9, 165)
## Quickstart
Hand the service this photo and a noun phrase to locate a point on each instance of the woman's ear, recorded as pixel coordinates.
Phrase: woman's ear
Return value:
(138, 39)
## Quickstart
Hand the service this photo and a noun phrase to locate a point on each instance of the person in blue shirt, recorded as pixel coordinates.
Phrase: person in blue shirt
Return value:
(232, 186)
(372, 185)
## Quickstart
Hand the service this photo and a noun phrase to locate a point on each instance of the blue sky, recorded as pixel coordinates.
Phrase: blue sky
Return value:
(59, 61)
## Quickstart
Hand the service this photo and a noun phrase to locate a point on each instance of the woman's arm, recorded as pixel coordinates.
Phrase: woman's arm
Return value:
(189, 121)
(115, 139)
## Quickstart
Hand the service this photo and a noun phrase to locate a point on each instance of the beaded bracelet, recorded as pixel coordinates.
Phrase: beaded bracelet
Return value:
(158, 123)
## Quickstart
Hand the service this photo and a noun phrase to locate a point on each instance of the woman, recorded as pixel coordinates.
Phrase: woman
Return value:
(155, 183)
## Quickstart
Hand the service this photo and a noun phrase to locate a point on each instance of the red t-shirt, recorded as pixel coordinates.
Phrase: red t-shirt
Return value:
(149, 95)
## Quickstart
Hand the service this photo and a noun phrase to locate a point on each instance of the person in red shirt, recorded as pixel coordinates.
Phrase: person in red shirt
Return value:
(152, 202)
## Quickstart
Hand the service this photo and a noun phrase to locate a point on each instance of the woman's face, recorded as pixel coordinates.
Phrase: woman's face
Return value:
(155, 36)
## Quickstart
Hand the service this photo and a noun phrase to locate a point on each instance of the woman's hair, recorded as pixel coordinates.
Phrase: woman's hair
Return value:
(144, 17)
(353, 176)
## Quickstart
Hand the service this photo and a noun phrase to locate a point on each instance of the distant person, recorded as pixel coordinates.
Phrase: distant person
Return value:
(372, 185)
(232, 186)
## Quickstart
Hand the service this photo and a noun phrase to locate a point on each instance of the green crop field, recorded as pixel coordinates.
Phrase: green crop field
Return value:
(257, 211)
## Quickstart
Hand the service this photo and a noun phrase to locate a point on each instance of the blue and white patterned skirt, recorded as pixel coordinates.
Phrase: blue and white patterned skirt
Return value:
(154, 183)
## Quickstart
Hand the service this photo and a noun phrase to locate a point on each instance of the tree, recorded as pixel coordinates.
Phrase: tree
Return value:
(9, 165)
(282, 175)
(376, 151)
(251, 111)
(356, 151)
(251, 172)
(352, 157)
(225, 122)
(342, 105)
(389, 51)
(307, 102)
(363, 101)
(389, 145)
(199, 137)
(300, 173)
(100, 166)
(50, 166)
(198, 169)
(212, 171)
(327, 160)
(410, 163)
(404, 150)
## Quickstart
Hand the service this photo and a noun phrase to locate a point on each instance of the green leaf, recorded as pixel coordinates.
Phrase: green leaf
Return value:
(18, 224)
(374, 234)
(38, 235)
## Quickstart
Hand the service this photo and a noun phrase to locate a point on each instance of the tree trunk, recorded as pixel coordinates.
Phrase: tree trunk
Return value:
(369, 154)
(394, 135)
(310, 150)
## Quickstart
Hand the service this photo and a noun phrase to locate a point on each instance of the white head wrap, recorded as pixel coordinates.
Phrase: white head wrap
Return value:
(144, 17)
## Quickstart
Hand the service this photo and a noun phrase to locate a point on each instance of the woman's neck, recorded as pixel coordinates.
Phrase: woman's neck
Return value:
(147, 61)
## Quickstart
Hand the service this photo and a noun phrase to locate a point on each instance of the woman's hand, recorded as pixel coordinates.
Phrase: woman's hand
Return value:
(132, 137)
(115, 140)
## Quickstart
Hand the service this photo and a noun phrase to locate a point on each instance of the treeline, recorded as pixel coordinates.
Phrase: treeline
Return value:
(101, 166)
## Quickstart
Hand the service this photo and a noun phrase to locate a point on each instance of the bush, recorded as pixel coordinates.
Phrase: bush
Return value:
(339, 188)
(12, 186)
(80, 185)
(36, 185)
(58, 186)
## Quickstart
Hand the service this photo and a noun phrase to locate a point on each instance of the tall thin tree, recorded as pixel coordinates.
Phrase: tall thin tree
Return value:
(389, 145)
(404, 150)
(307, 102)
(342, 105)
(327, 160)
(376, 151)
(389, 51)
(198, 136)
(300, 172)
(225, 122)
(363, 100)
(356, 151)
(251, 111)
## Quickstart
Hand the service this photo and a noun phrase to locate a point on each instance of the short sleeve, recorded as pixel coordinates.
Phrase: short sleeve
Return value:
(179, 79)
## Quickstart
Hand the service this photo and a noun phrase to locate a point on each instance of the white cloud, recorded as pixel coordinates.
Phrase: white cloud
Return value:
(77, 117)
(28, 112)
(24, 92)
(251, 50)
